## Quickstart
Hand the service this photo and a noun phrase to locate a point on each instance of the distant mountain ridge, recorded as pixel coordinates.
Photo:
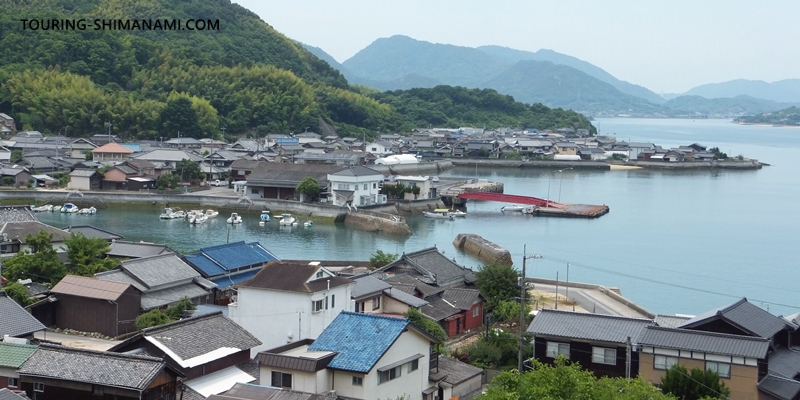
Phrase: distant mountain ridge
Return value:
(786, 91)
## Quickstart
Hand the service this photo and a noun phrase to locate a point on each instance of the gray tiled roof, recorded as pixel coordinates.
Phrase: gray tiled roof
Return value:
(120, 248)
(15, 320)
(782, 388)
(293, 277)
(670, 321)
(599, 327)
(19, 230)
(785, 362)
(163, 297)
(216, 330)
(117, 275)
(6, 394)
(457, 371)
(86, 173)
(707, 342)
(368, 285)
(94, 367)
(403, 281)
(744, 315)
(431, 266)
(356, 170)
(404, 297)
(462, 298)
(244, 391)
(269, 174)
(92, 232)
(438, 309)
(171, 155)
(16, 214)
(159, 270)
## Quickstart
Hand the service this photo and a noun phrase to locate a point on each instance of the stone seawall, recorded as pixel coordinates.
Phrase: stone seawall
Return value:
(384, 223)
(603, 165)
(424, 168)
(482, 249)
(370, 223)
(602, 289)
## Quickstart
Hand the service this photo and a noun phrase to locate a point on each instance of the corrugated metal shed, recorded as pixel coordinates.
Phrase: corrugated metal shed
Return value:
(90, 287)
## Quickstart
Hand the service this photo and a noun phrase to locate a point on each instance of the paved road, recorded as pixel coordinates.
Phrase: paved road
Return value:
(81, 342)
(593, 301)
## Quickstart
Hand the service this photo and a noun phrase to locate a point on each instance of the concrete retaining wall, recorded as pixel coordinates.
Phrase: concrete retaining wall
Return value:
(483, 249)
(424, 168)
(602, 289)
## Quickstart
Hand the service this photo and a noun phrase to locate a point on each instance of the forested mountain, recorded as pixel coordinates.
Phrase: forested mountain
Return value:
(789, 116)
(499, 68)
(786, 91)
(741, 105)
(554, 57)
(548, 83)
(245, 77)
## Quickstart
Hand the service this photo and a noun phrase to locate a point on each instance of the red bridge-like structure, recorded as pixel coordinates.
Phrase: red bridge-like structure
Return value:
(511, 198)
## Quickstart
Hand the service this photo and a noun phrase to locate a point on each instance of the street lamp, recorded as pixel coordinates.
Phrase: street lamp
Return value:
(560, 182)
(522, 290)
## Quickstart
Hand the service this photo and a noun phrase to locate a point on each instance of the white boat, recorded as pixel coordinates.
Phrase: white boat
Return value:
(308, 224)
(235, 219)
(169, 213)
(198, 219)
(439, 213)
(56, 209)
(88, 211)
(530, 210)
(265, 216)
(211, 213)
(458, 213)
(69, 208)
(288, 220)
(44, 208)
(513, 208)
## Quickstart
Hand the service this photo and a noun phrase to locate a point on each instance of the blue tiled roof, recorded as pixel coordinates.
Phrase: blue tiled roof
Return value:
(359, 339)
(228, 281)
(133, 146)
(224, 258)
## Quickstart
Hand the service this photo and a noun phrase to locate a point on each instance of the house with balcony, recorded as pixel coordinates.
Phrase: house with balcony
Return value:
(356, 185)
(111, 153)
(359, 356)
(289, 301)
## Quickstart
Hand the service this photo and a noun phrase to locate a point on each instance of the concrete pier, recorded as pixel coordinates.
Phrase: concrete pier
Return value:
(482, 249)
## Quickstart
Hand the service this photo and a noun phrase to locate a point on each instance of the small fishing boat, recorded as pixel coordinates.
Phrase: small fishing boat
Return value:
(439, 213)
(308, 224)
(235, 219)
(198, 219)
(211, 213)
(265, 216)
(69, 208)
(513, 208)
(56, 209)
(88, 211)
(458, 213)
(530, 210)
(288, 220)
(170, 213)
(44, 208)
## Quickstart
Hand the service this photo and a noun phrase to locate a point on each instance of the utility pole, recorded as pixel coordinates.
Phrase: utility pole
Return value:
(567, 281)
(628, 358)
(522, 291)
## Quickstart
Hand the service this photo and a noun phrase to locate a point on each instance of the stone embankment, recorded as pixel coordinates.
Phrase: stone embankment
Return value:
(423, 168)
(482, 249)
(603, 165)
(377, 222)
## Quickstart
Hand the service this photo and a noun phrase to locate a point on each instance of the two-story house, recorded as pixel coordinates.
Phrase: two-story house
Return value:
(211, 365)
(356, 185)
(111, 153)
(13, 236)
(289, 301)
(359, 356)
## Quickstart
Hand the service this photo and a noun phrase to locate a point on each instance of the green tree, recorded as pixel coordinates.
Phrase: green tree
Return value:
(151, 318)
(176, 311)
(15, 155)
(39, 263)
(718, 154)
(188, 170)
(427, 324)
(566, 381)
(87, 255)
(179, 116)
(380, 259)
(308, 187)
(19, 293)
(497, 282)
(166, 181)
(693, 385)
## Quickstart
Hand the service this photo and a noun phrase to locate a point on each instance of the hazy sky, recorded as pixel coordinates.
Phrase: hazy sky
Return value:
(666, 46)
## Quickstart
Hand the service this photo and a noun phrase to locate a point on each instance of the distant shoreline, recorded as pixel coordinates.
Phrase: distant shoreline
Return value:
(767, 125)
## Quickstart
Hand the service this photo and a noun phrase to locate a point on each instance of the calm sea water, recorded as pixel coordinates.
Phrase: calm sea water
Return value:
(674, 241)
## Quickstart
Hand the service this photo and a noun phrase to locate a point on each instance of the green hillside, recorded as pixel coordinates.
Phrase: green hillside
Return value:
(789, 116)
(244, 77)
(743, 105)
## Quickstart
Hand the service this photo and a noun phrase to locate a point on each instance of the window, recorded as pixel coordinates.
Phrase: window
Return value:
(326, 302)
(333, 300)
(722, 369)
(358, 381)
(385, 376)
(555, 348)
(254, 191)
(413, 365)
(366, 186)
(316, 306)
(376, 303)
(38, 386)
(319, 274)
(374, 185)
(664, 362)
(344, 186)
(12, 382)
(97, 390)
(602, 355)
(476, 311)
(281, 380)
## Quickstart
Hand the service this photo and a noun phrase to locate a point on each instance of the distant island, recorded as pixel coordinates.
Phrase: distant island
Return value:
(786, 117)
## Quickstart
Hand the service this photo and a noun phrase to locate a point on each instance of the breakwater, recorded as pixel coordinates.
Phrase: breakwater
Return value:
(603, 165)
(482, 249)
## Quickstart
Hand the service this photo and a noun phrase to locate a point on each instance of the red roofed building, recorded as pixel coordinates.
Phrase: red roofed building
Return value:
(111, 152)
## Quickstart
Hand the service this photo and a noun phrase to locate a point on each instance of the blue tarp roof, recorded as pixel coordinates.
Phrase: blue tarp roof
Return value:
(347, 334)
(228, 281)
(225, 258)
(133, 146)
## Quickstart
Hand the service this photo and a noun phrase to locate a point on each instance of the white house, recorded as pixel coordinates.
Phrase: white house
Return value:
(380, 148)
(356, 185)
(424, 184)
(359, 356)
(289, 301)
